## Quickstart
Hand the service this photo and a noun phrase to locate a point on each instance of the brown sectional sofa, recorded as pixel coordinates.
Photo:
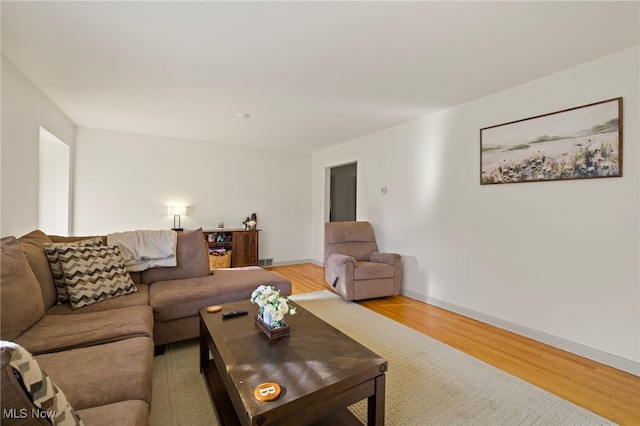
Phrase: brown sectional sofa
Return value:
(101, 355)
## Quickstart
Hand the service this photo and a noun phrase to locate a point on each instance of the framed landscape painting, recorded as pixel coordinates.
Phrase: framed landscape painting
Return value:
(578, 143)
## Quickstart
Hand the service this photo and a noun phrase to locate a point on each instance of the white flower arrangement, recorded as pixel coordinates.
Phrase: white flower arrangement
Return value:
(272, 305)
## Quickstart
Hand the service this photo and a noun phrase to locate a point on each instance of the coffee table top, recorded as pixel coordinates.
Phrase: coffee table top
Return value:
(314, 363)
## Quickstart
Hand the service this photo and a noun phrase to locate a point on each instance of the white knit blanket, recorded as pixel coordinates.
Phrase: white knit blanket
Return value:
(142, 250)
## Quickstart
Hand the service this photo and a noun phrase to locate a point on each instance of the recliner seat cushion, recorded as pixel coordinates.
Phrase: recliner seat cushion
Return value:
(372, 270)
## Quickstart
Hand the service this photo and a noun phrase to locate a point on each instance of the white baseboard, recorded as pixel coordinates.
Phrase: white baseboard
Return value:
(291, 262)
(297, 262)
(611, 360)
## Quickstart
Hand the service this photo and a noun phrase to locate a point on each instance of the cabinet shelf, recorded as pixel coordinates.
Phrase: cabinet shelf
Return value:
(242, 243)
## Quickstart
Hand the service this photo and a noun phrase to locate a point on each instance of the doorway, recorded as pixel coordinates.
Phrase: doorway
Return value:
(342, 192)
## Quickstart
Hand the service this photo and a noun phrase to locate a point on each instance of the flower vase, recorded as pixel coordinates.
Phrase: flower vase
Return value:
(268, 319)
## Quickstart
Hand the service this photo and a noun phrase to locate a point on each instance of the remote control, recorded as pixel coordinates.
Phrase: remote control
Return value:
(231, 314)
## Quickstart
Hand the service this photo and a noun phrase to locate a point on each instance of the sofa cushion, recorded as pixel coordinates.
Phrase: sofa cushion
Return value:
(103, 374)
(53, 252)
(62, 332)
(21, 303)
(192, 256)
(33, 247)
(175, 299)
(76, 238)
(94, 274)
(139, 298)
(29, 379)
(126, 413)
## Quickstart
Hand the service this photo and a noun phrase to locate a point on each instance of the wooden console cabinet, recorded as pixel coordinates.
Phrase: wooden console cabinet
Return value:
(242, 243)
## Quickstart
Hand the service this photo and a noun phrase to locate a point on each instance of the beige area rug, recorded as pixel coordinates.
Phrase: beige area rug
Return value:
(428, 382)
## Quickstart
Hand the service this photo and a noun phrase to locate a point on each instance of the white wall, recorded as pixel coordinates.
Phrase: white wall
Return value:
(555, 260)
(126, 181)
(24, 110)
(54, 184)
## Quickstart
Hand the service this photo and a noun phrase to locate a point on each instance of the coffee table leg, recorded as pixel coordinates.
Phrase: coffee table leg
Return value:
(204, 348)
(375, 403)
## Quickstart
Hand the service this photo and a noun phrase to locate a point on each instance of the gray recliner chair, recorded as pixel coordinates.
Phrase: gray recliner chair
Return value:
(353, 265)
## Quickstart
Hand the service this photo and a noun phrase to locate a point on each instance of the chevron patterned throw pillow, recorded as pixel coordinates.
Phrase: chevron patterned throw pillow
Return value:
(49, 401)
(51, 250)
(94, 274)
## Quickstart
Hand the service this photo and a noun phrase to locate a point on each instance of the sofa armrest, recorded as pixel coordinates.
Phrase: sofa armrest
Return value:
(388, 258)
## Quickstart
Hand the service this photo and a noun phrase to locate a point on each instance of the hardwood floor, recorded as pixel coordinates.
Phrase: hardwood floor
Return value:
(611, 393)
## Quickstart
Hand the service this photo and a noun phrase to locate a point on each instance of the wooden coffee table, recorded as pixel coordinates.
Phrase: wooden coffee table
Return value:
(320, 370)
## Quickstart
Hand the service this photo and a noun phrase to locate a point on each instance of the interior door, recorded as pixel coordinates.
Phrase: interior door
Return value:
(343, 192)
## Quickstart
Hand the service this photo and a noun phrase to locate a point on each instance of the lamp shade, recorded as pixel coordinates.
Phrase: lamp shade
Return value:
(178, 210)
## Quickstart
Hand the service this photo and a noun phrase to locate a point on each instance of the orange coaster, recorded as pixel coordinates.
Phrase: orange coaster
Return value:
(267, 391)
(214, 308)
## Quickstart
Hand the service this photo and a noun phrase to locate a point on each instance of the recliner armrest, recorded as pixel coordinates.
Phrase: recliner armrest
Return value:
(389, 258)
(339, 273)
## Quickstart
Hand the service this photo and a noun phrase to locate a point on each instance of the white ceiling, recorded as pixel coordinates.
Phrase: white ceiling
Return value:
(310, 74)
